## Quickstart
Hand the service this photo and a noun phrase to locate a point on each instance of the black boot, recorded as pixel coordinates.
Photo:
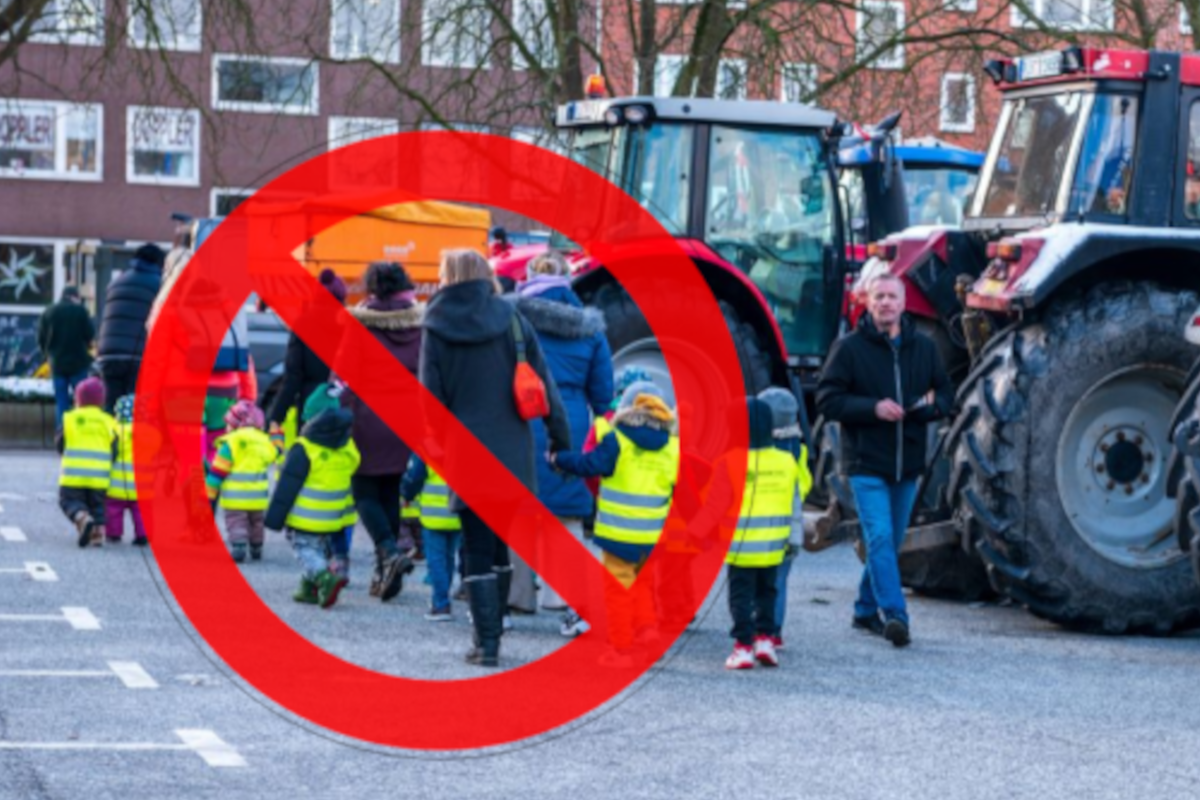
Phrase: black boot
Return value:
(484, 594)
(504, 578)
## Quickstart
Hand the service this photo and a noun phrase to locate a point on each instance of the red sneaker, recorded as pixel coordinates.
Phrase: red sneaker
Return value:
(764, 651)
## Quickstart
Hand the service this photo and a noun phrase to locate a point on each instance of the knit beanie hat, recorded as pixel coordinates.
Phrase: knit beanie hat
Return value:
(124, 409)
(151, 254)
(322, 399)
(89, 392)
(244, 414)
(645, 396)
(335, 285)
(784, 407)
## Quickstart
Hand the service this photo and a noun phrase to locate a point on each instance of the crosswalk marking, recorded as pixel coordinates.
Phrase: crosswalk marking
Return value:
(79, 618)
(204, 743)
(11, 534)
(38, 570)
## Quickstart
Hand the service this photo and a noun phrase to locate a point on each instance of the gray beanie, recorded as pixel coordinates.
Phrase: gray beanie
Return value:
(784, 407)
(640, 387)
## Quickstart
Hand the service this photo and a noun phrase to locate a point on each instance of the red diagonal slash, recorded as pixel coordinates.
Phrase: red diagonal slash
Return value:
(252, 252)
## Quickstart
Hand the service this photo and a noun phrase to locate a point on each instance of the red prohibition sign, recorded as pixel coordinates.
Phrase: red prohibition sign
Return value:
(252, 251)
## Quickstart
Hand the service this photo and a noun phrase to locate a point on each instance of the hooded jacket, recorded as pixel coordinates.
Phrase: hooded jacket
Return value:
(396, 324)
(331, 429)
(126, 308)
(866, 367)
(468, 361)
(303, 372)
(577, 353)
(64, 333)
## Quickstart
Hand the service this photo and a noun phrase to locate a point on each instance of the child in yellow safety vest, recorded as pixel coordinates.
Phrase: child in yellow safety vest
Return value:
(239, 477)
(441, 531)
(773, 487)
(87, 442)
(122, 487)
(637, 460)
(312, 497)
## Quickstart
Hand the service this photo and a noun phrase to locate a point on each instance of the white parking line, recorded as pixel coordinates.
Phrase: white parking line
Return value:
(11, 496)
(77, 617)
(129, 673)
(206, 744)
(38, 570)
(10, 534)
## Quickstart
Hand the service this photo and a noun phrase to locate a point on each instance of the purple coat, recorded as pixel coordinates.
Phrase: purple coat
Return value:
(397, 325)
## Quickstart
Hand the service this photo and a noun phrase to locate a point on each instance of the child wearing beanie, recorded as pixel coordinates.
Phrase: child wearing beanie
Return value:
(122, 487)
(238, 476)
(87, 441)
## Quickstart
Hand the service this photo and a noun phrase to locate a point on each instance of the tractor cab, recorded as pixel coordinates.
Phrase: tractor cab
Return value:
(750, 184)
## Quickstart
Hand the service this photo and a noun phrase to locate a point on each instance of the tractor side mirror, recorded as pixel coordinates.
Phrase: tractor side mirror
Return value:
(812, 192)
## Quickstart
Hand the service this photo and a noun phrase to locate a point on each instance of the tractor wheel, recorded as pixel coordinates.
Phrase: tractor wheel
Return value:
(1185, 475)
(1060, 461)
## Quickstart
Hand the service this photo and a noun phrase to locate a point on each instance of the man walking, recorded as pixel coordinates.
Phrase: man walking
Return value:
(65, 332)
(884, 383)
(123, 329)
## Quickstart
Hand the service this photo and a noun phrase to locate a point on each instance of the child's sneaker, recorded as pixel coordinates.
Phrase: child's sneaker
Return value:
(255, 551)
(238, 551)
(83, 524)
(764, 651)
(307, 593)
(777, 641)
(329, 586)
(97, 536)
(742, 657)
(439, 615)
(573, 625)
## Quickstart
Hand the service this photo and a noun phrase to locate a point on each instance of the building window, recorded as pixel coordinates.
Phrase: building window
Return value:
(50, 140)
(366, 29)
(265, 85)
(456, 33)
(224, 201)
(1076, 15)
(880, 22)
(962, 6)
(28, 270)
(534, 32)
(731, 77)
(798, 81)
(70, 22)
(365, 170)
(958, 103)
(163, 146)
(165, 24)
(666, 73)
(1185, 23)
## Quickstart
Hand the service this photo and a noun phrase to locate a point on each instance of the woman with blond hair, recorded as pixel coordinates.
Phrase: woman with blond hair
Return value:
(468, 362)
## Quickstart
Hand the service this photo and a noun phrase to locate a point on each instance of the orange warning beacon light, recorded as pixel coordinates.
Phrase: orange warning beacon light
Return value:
(595, 88)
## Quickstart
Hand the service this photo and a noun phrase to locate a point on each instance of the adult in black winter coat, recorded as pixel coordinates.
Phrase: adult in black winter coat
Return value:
(884, 383)
(303, 371)
(65, 332)
(468, 360)
(127, 306)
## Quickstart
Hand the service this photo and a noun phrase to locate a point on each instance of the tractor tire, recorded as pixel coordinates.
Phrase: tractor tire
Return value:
(1060, 461)
(1185, 474)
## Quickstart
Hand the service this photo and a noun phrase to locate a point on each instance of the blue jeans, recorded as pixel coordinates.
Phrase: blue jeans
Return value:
(310, 552)
(440, 549)
(64, 388)
(884, 509)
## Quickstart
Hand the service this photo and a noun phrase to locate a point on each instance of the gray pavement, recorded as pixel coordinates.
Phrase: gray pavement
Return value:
(988, 702)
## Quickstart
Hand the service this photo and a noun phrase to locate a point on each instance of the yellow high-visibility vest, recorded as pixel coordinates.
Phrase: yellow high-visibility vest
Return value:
(324, 504)
(88, 435)
(435, 505)
(634, 501)
(246, 487)
(764, 522)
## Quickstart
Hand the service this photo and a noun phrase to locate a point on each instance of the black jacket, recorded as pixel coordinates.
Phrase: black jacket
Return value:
(64, 333)
(864, 368)
(126, 307)
(303, 372)
(468, 359)
(329, 429)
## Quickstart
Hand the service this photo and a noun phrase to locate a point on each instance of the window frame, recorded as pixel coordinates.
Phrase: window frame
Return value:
(427, 51)
(60, 172)
(802, 66)
(59, 246)
(395, 47)
(252, 107)
(159, 180)
(864, 16)
(961, 6)
(949, 126)
(57, 36)
(142, 43)
(1019, 21)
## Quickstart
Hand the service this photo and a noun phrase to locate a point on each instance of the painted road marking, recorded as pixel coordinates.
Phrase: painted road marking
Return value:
(206, 744)
(11, 496)
(129, 673)
(77, 617)
(10, 534)
(38, 570)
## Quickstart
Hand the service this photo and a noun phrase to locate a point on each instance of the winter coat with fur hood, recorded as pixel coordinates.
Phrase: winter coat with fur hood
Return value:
(396, 324)
(577, 354)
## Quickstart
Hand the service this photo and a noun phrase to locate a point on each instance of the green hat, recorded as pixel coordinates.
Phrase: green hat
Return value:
(322, 399)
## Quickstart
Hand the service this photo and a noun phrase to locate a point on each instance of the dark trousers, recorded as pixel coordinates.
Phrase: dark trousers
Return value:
(752, 593)
(377, 500)
(486, 552)
(120, 378)
(72, 500)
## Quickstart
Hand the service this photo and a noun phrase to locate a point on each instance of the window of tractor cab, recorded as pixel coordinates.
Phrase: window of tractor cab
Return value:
(1105, 163)
(1191, 169)
(1030, 154)
(653, 164)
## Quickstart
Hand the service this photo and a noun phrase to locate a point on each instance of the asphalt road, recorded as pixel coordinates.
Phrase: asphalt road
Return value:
(987, 703)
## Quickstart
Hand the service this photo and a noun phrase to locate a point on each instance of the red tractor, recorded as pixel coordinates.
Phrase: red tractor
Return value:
(1061, 300)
